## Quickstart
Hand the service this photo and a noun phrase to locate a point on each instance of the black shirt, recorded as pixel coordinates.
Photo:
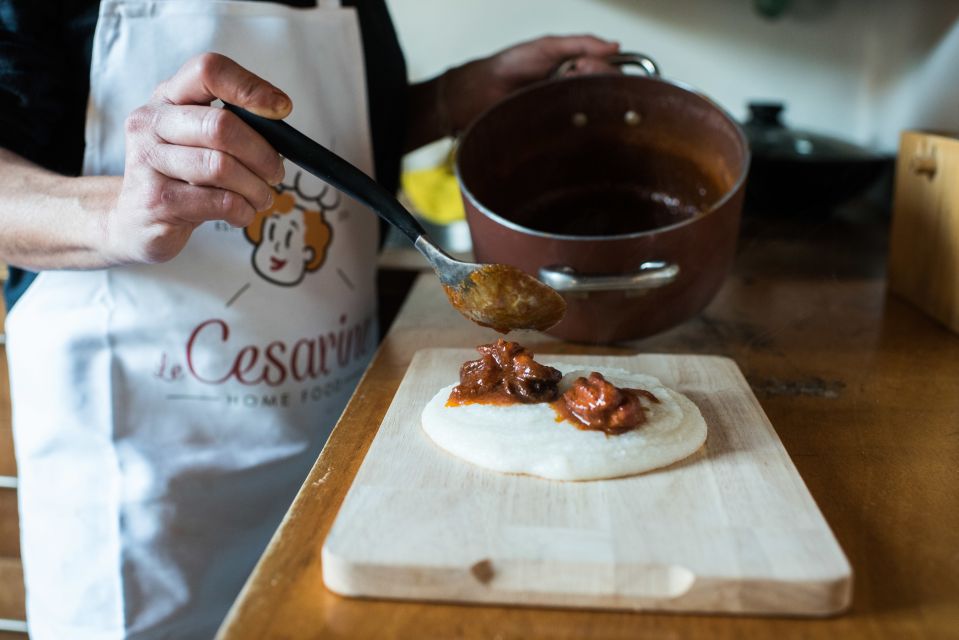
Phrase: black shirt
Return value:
(45, 49)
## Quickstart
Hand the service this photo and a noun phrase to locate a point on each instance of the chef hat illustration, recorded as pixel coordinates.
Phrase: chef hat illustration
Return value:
(318, 232)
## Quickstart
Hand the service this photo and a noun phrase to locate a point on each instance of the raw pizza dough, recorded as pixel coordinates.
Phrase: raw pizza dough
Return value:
(527, 439)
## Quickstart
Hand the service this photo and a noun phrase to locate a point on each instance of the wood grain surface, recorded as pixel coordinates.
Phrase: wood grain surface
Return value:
(730, 529)
(861, 387)
(12, 605)
(8, 465)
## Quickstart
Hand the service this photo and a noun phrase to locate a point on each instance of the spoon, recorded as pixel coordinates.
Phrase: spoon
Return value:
(492, 295)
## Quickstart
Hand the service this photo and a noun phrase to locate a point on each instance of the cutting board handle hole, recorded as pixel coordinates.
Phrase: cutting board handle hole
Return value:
(924, 164)
(658, 581)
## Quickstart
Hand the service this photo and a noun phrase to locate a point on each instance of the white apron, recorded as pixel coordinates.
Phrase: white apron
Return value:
(165, 415)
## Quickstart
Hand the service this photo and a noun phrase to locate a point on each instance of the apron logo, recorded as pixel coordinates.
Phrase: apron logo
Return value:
(291, 238)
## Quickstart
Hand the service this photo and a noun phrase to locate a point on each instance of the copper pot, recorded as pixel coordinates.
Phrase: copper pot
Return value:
(623, 192)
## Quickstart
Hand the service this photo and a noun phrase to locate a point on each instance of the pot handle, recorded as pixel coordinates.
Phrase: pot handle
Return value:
(650, 275)
(624, 59)
(641, 60)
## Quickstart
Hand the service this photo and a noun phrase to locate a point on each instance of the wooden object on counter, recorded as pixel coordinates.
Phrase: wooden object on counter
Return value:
(12, 596)
(861, 389)
(730, 529)
(924, 248)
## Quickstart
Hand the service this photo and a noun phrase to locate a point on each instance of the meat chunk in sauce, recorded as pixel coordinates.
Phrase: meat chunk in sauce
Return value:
(594, 403)
(504, 374)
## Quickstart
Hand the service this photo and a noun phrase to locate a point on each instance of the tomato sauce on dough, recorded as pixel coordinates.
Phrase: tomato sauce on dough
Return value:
(596, 404)
(506, 374)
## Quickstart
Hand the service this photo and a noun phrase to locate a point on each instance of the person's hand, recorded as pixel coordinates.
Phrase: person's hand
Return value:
(469, 90)
(188, 163)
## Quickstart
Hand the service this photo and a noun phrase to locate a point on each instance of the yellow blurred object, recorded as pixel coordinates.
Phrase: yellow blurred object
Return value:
(434, 193)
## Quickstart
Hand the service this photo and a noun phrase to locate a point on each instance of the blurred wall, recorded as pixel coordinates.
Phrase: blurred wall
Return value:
(860, 69)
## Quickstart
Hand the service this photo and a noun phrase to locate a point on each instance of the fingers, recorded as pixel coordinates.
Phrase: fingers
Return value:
(187, 164)
(212, 76)
(562, 48)
(155, 216)
(548, 55)
(218, 129)
(210, 168)
(191, 163)
(588, 66)
(194, 204)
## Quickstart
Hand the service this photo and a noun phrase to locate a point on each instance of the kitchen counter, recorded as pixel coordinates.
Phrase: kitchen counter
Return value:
(860, 386)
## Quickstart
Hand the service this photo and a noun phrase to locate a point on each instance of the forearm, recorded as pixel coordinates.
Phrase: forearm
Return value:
(427, 119)
(50, 221)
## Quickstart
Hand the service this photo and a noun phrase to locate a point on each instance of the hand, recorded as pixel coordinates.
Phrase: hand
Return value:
(469, 90)
(188, 163)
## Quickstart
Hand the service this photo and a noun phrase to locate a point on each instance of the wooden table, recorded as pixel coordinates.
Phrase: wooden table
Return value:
(862, 388)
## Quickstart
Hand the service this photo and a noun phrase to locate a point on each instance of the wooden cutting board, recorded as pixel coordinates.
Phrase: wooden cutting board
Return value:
(730, 529)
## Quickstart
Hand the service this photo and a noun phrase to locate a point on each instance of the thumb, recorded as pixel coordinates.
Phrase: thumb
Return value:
(212, 76)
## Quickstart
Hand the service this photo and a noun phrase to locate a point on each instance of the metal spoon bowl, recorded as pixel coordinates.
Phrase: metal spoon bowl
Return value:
(492, 295)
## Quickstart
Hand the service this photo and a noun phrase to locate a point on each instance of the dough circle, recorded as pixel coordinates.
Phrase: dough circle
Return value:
(527, 439)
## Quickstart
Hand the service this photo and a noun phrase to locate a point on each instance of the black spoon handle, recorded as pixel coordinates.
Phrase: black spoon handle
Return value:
(333, 169)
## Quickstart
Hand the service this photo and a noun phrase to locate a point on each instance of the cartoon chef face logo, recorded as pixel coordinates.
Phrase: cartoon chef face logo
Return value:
(291, 239)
